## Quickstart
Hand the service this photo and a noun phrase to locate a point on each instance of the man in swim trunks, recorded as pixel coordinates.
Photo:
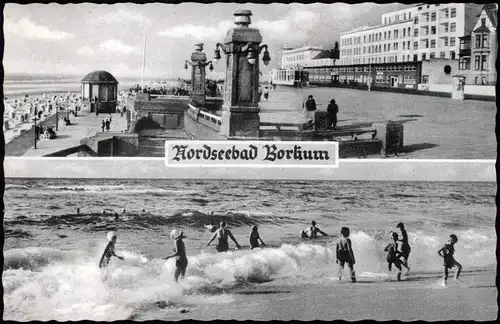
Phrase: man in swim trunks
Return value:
(393, 255)
(222, 235)
(180, 252)
(405, 247)
(447, 253)
(312, 232)
(345, 253)
(109, 251)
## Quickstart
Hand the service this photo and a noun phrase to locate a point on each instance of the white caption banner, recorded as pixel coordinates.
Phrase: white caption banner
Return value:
(300, 154)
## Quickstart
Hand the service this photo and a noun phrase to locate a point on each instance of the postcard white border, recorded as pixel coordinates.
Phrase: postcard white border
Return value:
(154, 168)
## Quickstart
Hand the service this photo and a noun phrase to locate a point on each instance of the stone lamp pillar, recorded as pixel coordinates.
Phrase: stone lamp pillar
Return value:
(240, 110)
(198, 63)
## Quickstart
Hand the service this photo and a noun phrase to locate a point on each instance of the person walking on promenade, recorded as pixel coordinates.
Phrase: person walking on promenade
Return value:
(405, 246)
(109, 117)
(332, 111)
(180, 252)
(108, 123)
(260, 92)
(222, 235)
(447, 253)
(310, 109)
(103, 125)
(345, 253)
(266, 93)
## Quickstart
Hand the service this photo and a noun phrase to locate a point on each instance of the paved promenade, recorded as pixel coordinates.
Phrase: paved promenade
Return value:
(85, 125)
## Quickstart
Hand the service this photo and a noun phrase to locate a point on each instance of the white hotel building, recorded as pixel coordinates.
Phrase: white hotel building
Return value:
(421, 32)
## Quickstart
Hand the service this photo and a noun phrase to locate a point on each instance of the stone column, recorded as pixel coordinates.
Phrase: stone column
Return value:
(198, 64)
(240, 110)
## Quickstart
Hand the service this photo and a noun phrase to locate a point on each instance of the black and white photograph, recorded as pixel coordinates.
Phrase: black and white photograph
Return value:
(374, 195)
(383, 80)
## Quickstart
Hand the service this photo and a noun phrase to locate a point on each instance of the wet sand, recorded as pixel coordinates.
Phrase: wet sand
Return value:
(418, 297)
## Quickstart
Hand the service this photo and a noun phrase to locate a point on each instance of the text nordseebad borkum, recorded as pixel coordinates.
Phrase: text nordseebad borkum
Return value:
(271, 153)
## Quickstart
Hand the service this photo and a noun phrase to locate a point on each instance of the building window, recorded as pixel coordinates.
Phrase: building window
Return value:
(426, 44)
(453, 27)
(415, 20)
(433, 30)
(452, 41)
(442, 54)
(445, 41)
(446, 28)
(395, 46)
(395, 34)
(385, 35)
(404, 16)
(464, 63)
(433, 16)
(485, 41)
(423, 57)
(477, 62)
(453, 12)
(404, 44)
(446, 13)
(425, 79)
(415, 32)
(415, 45)
(433, 43)
(452, 55)
(483, 81)
(385, 21)
(404, 32)
(419, 8)
(409, 31)
(389, 34)
(415, 57)
(484, 62)
(432, 55)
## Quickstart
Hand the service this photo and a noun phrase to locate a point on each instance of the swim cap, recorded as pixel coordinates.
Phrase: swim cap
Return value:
(394, 235)
(110, 236)
(454, 237)
(223, 224)
(344, 229)
(400, 225)
(313, 223)
(254, 228)
(175, 234)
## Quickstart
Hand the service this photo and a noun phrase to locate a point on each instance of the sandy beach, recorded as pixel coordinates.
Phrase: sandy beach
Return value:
(418, 297)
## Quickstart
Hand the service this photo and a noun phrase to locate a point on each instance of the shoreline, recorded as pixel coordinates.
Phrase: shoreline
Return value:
(414, 298)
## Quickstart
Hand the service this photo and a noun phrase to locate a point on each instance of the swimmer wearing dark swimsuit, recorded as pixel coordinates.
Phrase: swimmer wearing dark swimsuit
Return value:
(405, 246)
(393, 255)
(109, 252)
(222, 235)
(180, 252)
(312, 232)
(447, 252)
(345, 253)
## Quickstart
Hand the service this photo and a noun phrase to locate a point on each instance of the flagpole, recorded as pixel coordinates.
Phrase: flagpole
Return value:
(143, 62)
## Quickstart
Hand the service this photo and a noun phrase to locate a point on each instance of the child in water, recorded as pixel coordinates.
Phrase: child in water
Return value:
(447, 252)
(109, 251)
(345, 253)
(405, 246)
(393, 254)
(180, 252)
(255, 237)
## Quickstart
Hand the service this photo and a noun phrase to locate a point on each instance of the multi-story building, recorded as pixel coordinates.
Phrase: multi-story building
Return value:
(478, 50)
(420, 32)
(295, 58)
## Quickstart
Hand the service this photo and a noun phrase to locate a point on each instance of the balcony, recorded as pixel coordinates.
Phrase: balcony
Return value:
(464, 52)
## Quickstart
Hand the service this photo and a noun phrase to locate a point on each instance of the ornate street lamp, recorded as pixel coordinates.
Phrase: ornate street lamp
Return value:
(246, 49)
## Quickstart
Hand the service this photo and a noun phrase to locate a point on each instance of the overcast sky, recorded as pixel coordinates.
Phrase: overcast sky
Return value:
(79, 38)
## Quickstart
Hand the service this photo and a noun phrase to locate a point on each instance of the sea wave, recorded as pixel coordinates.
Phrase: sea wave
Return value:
(43, 284)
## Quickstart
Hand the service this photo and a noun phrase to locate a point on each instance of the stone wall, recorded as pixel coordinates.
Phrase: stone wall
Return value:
(201, 129)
